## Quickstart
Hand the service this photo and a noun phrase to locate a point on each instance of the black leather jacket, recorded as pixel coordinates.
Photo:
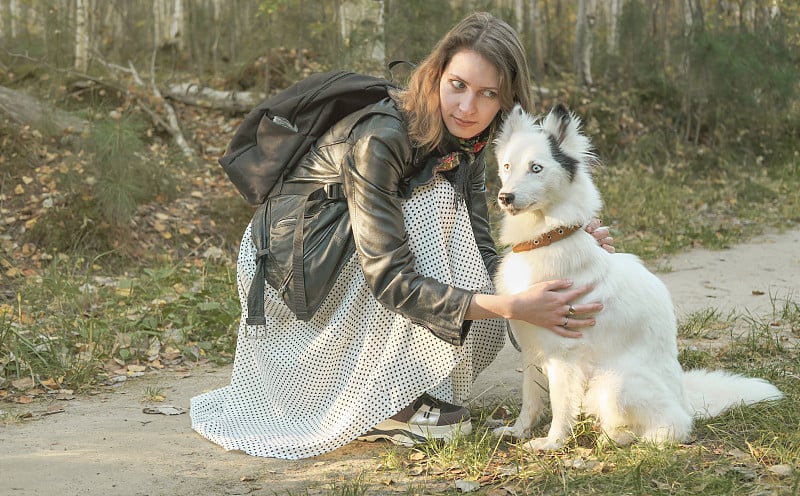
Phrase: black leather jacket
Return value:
(374, 160)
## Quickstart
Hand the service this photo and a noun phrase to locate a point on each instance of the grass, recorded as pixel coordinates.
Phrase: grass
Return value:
(154, 394)
(74, 320)
(744, 451)
(654, 214)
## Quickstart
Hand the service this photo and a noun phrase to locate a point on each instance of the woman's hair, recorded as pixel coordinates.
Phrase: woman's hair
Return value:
(485, 35)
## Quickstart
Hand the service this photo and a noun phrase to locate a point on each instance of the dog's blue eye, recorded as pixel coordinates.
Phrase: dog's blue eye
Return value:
(536, 168)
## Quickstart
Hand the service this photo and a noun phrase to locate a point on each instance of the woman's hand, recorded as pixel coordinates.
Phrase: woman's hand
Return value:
(547, 304)
(602, 235)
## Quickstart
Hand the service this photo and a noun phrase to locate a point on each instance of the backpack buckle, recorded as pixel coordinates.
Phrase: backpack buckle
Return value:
(334, 191)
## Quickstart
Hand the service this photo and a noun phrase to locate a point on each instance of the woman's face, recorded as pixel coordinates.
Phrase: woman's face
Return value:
(469, 94)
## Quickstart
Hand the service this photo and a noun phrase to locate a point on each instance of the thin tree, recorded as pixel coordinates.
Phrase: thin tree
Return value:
(361, 28)
(81, 35)
(584, 28)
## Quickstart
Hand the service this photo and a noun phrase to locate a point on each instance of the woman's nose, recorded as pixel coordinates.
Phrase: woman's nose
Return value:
(467, 103)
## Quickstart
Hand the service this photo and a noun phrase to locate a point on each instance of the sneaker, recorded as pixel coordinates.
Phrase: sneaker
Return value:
(426, 418)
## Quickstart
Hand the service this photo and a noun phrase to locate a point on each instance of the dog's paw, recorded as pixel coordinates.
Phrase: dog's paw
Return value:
(543, 444)
(509, 431)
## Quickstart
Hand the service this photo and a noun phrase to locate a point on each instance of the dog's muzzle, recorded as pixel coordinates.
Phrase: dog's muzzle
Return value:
(506, 199)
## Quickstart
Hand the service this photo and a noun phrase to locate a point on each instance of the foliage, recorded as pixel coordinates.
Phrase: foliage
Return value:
(113, 174)
(122, 178)
(742, 81)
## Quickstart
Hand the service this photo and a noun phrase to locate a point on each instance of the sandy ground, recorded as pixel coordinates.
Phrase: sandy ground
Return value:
(105, 443)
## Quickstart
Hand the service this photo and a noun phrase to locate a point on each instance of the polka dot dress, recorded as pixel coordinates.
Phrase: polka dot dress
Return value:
(300, 389)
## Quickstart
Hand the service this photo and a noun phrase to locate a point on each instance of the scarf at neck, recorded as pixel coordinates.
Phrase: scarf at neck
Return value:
(466, 152)
(455, 163)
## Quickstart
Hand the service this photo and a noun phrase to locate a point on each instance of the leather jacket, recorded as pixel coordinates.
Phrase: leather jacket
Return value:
(377, 166)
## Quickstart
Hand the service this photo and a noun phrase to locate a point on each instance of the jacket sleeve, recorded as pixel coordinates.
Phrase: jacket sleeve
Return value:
(372, 175)
(479, 217)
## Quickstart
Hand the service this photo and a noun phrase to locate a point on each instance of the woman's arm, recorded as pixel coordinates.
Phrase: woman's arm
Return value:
(546, 304)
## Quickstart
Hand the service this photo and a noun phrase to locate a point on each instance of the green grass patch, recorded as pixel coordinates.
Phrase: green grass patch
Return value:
(70, 321)
(748, 450)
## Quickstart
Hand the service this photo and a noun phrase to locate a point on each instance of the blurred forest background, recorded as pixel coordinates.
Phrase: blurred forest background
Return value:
(123, 98)
(119, 230)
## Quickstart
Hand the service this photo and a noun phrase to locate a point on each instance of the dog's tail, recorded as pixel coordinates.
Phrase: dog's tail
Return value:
(711, 392)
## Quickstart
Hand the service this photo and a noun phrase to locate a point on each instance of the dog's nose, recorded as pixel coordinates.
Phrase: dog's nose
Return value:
(506, 198)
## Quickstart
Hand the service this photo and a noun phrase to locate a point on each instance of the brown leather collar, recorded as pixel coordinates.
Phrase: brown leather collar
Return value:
(545, 239)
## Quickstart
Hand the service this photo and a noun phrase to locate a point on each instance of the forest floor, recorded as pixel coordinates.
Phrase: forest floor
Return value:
(114, 442)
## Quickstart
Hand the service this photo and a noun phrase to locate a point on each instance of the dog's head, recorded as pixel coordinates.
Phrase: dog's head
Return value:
(540, 161)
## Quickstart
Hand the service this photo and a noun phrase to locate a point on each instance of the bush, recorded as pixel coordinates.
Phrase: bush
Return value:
(104, 191)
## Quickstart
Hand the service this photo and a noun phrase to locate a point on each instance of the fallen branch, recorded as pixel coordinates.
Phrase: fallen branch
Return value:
(193, 94)
(174, 127)
(28, 111)
(170, 124)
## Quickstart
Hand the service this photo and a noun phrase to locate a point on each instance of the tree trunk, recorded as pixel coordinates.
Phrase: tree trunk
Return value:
(81, 35)
(177, 25)
(361, 28)
(535, 40)
(693, 25)
(613, 15)
(5, 20)
(13, 15)
(519, 15)
(584, 28)
(28, 111)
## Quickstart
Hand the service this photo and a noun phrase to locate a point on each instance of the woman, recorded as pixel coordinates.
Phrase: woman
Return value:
(411, 319)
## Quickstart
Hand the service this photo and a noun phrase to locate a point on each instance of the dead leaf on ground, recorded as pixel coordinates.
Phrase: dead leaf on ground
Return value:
(467, 486)
(163, 410)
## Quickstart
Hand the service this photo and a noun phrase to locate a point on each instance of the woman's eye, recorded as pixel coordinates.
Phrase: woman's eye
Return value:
(489, 93)
(458, 84)
(536, 168)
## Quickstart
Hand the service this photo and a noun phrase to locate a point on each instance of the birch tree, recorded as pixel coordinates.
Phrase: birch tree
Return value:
(584, 28)
(691, 105)
(5, 21)
(176, 25)
(362, 30)
(613, 14)
(168, 23)
(81, 35)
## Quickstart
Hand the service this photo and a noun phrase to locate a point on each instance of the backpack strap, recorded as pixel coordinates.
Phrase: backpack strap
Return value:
(298, 274)
(255, 295)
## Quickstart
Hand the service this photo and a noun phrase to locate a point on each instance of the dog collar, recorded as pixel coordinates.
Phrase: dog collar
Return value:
(545, 239)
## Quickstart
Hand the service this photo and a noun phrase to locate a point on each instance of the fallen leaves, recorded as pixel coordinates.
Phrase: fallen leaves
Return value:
(163, 410)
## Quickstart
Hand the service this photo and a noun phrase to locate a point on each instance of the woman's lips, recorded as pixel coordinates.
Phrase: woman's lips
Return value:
(462, 122)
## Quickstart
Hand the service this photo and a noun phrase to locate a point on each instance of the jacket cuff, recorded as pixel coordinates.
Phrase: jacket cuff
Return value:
(452, 330)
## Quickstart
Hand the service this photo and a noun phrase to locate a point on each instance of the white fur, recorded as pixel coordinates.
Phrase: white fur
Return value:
(624, 371)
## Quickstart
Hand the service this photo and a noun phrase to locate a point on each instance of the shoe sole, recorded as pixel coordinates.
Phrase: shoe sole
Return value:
(407, 435)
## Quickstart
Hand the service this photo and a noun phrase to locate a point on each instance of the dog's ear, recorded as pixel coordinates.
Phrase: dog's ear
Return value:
(515, 120)
(565, 129)
(557, 122)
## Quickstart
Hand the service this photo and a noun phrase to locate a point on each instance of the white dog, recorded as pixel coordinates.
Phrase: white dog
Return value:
(624, 371)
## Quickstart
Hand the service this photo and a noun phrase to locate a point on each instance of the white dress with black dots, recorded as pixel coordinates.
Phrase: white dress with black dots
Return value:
(300, 389)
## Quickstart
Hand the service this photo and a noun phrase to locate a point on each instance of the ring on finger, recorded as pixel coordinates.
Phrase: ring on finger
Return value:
(571, 311)
(566, 321)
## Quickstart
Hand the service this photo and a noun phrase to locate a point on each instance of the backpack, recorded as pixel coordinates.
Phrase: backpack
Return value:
(304, 234)
(279, 131)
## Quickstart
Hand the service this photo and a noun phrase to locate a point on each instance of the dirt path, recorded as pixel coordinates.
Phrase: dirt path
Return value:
(105, 444)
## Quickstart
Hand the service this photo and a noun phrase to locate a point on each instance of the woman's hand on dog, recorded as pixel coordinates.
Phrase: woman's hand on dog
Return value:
(548, 304)
(601, 234)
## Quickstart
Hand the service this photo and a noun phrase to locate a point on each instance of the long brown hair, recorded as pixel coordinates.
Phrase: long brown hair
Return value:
(484, 34)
